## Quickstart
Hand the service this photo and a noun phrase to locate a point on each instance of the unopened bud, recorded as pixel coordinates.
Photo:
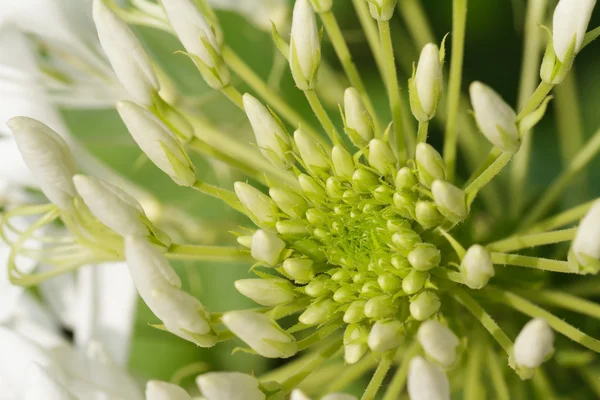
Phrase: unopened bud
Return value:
(427, 381)
(382, 10)
(425, 85)
(406, 240)
(385, 335)
(438, 342)
(424, 305)
(584, 256)
(429, 164)
(262, 207)
(381, 157)
(318, 312)
(305, 46)
(569, 25)
(414, 281)
(343, 164)
(364, 181)
(289, 202)
(533, 345)
(405, 179)
(311, 188)
(389, 283)
(299, 269)
(355, 343)
(266, 292)
(450, 200)
(266, 247)
(476, 267)
(313, 156)
(356, 312)
(359, 124)
(427, 214)
(292, 228)
(157, 390)
(424, 257)
(380, 307)
(229, 386)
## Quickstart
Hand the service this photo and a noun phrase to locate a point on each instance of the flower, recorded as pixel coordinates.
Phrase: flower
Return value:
(476, 267)
(569, 24)
(439, 342)
(427, 381)
(229, 386)
(534, 344)
(305, 46)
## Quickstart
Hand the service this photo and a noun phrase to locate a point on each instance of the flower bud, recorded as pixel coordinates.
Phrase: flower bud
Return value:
(427, 214)
(380, 307)
(157, 390)
(405, 202)
(313, 156)
(334, 188)
(424, 257)
(344, 294)
(429, 164)
(389, 283)
(414, 281)
(438, 342)
(159, 287)
(158, 143)
(322, 6)
(271, 137)
(425, 85)
(311, 188)
(584, 255)
(496, 119)
(406, 240)
(229, 386)
(381, 157)
(262, 207)
(261, 333)
(289, 202)
(569, 25)
(245, 241)
(382, 10)
(405, 179)
(292, 228)
(451, 201)
(48, 158)
(355, 343)
(427, 381)
(364, 181)
(266, 247)
(385, 335)
(358, 121)
(356, 312)
(305, 46)
(130, 62)
(476, 267)
(343, 164)
(318, 312)
(299, 269)
(317, 287)
(424, 305)
(199, 40)
(266, 292)
(534, 344)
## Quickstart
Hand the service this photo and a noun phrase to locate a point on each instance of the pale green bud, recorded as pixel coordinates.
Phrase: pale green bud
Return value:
(364, 181)
(424, 257)
(289, 202)
(344, 294)
(400, 262)
(266, 247)
(359, 124)
(476, 267)
(228, 386)
(316, 216)
(343, 164)
(292, 228)
(385, 336)
(429, 164)
(245, 241)
(313, 156)
(157, 390)
(305, 46)
(318, 312)
(397, 225)
(334, 188)
(389, 283)
(533, 345)
(355, 312)
(380, 307)
(322, 6)
(311, 188)
(438, 342)
(424, 305)
(271, 137)
(406, 239)
(451, 201)
(299, 269)
(381, 157)
(261, 206)
(321, 234)
(266, 292)
(318, 286)
(383, 193)
(427, 214)
(425, 85)
(370, 289)
(311, 249)
(405, 179)
(355, 343)
(414, 281)
(569, 25)
(382, 10)
(584, 256)
(341, 275)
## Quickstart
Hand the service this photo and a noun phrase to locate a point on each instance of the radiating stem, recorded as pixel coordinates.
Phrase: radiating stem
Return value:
(459, 21)
(514, 243)
(398, 382)
(543, 264)
(542, 385)
(351, 373)
(496, 368)
(490, 173)
(321, 114)
(370, 29)
(590, 36)
(473, 386)
(415, 20)
(378, 376)
(207, 253)
(566, 301)
(535, 99)
(592, 379)
(225, 195)
(234, 95)
(422, 133)
(565, 218)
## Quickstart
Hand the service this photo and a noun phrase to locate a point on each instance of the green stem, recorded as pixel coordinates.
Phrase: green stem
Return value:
(398, 382)
(234, 95)
(588, 288)
(542, 385)
(416, 21)
(566, 301)
(207, 253)
(514, 243)
(473, 385)
(543, 264)
(321, 114)
(490, 173)
(422, 133)
(492, 156)
(591, 36)
(459, 21)
(341, 49)
(378, 376)
(393, 90)
(535, 99)
(225, 195)
(369, 27)
(351, 373)
(565, 218)
(496, 368)
(592, 380)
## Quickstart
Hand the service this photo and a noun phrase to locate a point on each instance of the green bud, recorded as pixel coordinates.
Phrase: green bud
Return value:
(405, 203)
(313, 156)
(406, 239)
(385, 336)
(424, 305)
(414, 281)
(381, 157)
(427, 214)
(334, 188)
(370, 289)
(321, 234)
(245, 241)
(405, 179)
(356, 312)
(362, 277)
(429, 164)
(382, 10)
(299, 269)
(311, 188)
(359, 124)
(424, 257)
(266, 247)
(397, 225)
(291, 228)
(318, 286)
(383, 193)
(318, 312)
(311, 249)
(343, 164)
(380, 307)
(261, 206)
(289, 202)
(355, 343)
(399, 262)
(389, 283)
(341, 275)
(266, 292)
(350, 196)
(345, 294)
(451, 201)
(316, 216)
(364, 181)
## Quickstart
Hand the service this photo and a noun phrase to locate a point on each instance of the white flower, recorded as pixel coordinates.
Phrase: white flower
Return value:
(262, 207)
(157, 390)
(438, 341)
(427, 82)
(451, 201)
(496, 119)
(427, 381)
(586, 245)
(476, 267)
(305, 47)
(158, 142)
(385, 336)
(266, 292)
(261, 333)
(267, 247)
(126, 54)
(229, 386)
(359, 123)
(534, 344)
(570, 22)
(42, 385)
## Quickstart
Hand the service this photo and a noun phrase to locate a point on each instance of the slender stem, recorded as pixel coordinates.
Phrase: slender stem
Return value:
(459, 22)
(225, 195)
(378, 376)
(321, 114)
(234, 95)
(393, 90)
(543, 264)
(474, 388)
(207, 253)
(588, 288)
(542, 385)
(422, 133)
(519, 242)
(341, 49)
(535, 99)
(496, 368)
(591, 36)
(479, 183)
(566, 301)
(351, 373)
(592, 380)
(492, 156)
(370, 28)
(415, 20)
(398, 382)
(565, 218)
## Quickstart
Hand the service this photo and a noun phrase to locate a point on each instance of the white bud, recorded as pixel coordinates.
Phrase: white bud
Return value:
(298, 394)
(126, 54)
(48, 158)
(424, 305)
(534, 344)
(381, 157)
(451, 201)
(382, 10)
(159, 287)
(312, 155)
(496, 119)
(112, 206)
(355, 343)
(272, 139)
(476, 267)
(261, 333)
(429, 164)
(359, 123)
(157, 390)
(266, 247)
(426, 84)
(229, 386)
(427, 381)
(586, 245)
(158, 143)
(305, 46)
(385, 336)
(438, 342)
(569, 25)
(266, 292)
(262, 207)
(42, 385)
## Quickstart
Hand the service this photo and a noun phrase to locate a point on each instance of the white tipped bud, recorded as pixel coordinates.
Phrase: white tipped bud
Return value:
(289, 202)
(438, 342)
(451, 201)
(126, 54)
(430, 164)
(359, 124)
(159, 287)
(585, 249)
(158, 143)
(355, 343)
(261, 333)
(343, 164)
(112, 206)
(381, 157)
(382, 10)
(427, 381)
(158, 390)
(48, 158)
(266, 247)
(534, 344)
(305, 46)
(229, 386)
(385, 335)
(272, 139)
(425, 86)
(312, 155)
(195, 33)
(569, 25)
(424, 305)
(266, 292)
(496, 119)
(262, 207)
(424, 257)
(476, 267)
(40, 384)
